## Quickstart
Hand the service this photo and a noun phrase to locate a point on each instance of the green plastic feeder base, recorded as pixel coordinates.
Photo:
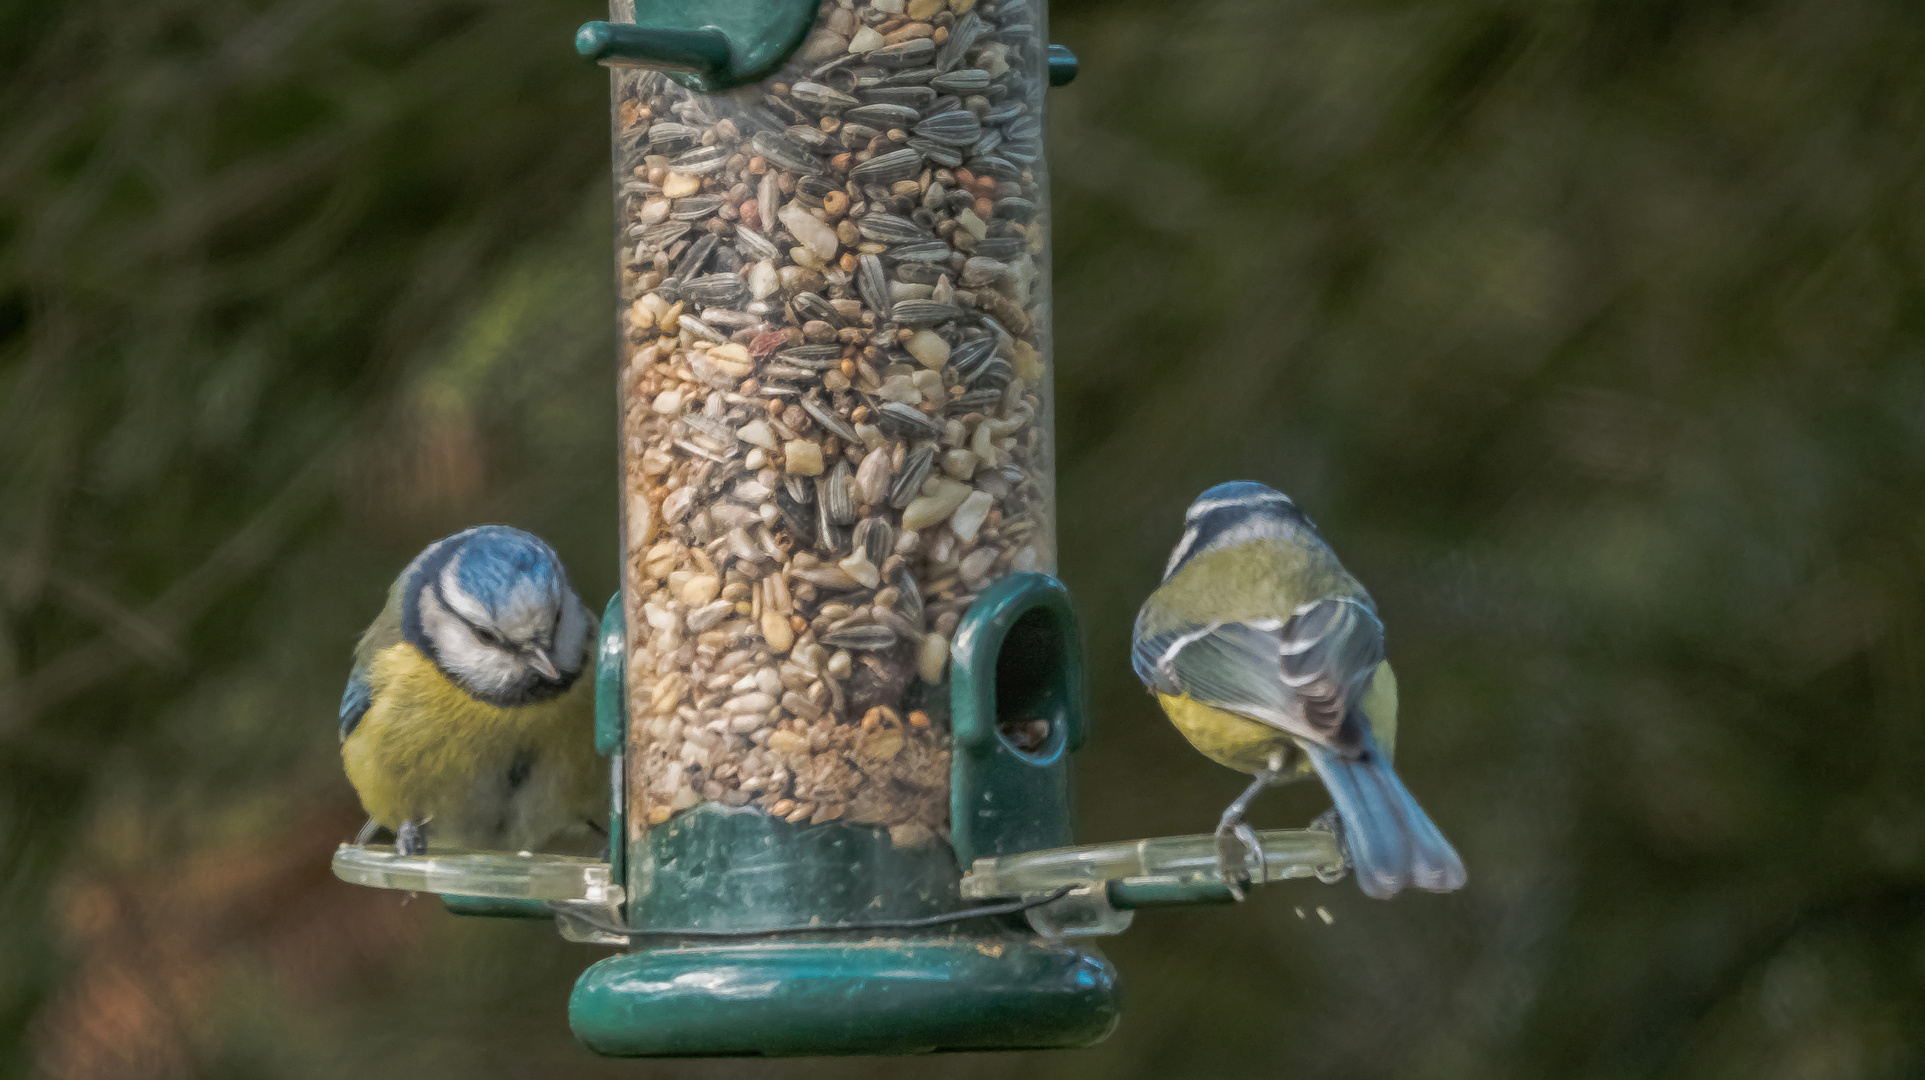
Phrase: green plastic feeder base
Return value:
(846, 996)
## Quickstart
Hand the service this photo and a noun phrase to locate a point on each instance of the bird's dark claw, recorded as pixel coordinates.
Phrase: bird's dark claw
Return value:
(1234, 860)
(1232, 856)
(410, 839)
(1331, 822)
(1236, 846)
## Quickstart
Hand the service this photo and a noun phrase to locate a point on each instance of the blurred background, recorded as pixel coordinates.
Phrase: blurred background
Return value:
(1592, 332)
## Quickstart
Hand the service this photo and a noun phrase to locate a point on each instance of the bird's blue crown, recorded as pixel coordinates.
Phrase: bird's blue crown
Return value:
(496, 560)
(1233, 513)
(492, 607)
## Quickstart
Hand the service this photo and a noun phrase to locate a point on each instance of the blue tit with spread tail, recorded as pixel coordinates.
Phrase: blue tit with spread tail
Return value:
(466, 712)
(1269, 657)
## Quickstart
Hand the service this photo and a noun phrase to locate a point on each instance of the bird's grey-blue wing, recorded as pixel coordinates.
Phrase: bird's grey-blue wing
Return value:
(1302, 674)
(380, 634)
(355, 701)
(1232, 666)
(1330, 649)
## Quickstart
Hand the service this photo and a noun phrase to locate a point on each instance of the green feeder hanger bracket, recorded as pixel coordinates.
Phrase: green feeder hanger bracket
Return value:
(716, 45)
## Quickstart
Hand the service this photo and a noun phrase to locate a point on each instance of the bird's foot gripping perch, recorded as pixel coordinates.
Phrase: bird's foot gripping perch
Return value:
(410, 839)
(1236, 841)
(1332, 822)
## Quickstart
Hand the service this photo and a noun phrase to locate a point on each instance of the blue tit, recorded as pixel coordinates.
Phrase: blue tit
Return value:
(466, 710)
(1269, 657)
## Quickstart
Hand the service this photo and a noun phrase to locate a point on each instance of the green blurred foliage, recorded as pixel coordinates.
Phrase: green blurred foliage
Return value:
(1590, 332)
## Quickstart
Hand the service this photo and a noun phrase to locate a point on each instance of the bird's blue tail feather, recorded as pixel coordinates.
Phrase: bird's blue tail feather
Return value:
(1392, 842)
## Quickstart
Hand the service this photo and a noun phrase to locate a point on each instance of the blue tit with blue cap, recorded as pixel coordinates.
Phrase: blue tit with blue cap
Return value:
(466, 712)
(1269, 658)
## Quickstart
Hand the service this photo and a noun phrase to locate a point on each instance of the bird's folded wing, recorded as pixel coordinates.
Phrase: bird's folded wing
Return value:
(354, 701)
(1330, 650)
(1301, 674)
(384, 631)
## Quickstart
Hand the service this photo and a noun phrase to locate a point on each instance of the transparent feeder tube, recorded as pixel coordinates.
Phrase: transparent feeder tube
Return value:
(834, 311)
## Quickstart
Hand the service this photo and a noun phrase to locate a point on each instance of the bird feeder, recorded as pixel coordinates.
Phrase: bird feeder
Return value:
(839, 687)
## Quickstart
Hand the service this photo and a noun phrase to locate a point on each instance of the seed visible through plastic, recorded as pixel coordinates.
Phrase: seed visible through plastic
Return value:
(835, 412)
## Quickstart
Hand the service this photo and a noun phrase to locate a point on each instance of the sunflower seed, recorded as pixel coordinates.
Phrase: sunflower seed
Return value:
(713, 289)
(839, 494)
(696, 258)
(888, 168)
(754, 246)
(872, 283)
(926, 251)
(827, 577)
(1004, 112)
(863, 638)
(994, 375)
(969, 358)
(799, 517)
(1001, 248)
(830, 535)
(890, 229)
(921, 273)
(659, 237)
(991, 165)
(786, 152)
(668, 137)
(958, 127)
(973, 401)
(829, 421)
(875, 536)
(695, 207)
(810, 306)
(819, 357)
(826, 98)
(809, 137)
(856, 136)
(962, 37)
(909, 594)
(915, 469)
(946, 156)
(701, 161)
(1016, 208)
(881, 115)
(961, 81)
(911, 53)
(919, 314)
(702, 330)
(914, 97)
(810, 190)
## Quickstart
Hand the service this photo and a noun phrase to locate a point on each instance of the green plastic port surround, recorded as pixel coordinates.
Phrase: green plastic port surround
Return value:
(841, 989)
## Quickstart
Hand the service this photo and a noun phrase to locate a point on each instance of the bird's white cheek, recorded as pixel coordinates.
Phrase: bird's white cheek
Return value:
(489, 671)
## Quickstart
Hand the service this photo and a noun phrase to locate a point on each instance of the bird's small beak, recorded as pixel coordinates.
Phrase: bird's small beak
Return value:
(538, 660)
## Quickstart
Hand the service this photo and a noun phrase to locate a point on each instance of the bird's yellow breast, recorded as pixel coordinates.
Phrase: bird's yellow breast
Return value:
(1239, 742)
(1246, 745)
(424, 743)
